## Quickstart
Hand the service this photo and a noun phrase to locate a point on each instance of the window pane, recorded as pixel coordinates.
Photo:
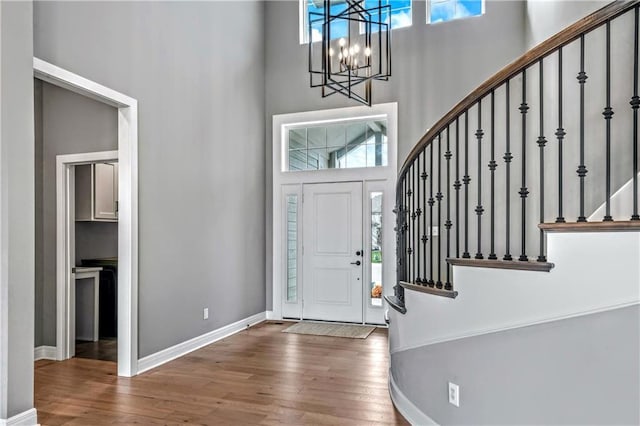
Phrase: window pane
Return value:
(400, 13)
(316, 137)
(376, 248)
(357, 156)
(292, 248)
(317, 159)
(298, 159)
(315, 9)
(448, 10)
(336, 135)
(297, 138)
(376, 155)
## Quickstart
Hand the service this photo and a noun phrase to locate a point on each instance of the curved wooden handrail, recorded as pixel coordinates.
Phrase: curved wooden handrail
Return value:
(543, 49)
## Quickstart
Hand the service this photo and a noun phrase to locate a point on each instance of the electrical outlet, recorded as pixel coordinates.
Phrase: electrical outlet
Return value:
(205, 313)
(454, 394)
(435, 231)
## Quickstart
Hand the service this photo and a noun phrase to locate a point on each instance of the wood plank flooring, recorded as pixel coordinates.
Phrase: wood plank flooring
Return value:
(258, 376)
(104, 349)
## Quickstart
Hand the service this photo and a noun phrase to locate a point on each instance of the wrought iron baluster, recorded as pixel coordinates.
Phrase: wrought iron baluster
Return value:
(402, 227)
(542, 141)
(457, 185)
(413, 221)
(635, 103)
(439, 199)
(582, 169)
(401, 248)
(447, 224)
(507, 160)
(479, 209)
(608, 115)
(492, 169)
(560, 134)
(524, 192)
(398, 229)
(466, 179)
(425, 237)
(431, 203)
(418, 212)
(406, 230)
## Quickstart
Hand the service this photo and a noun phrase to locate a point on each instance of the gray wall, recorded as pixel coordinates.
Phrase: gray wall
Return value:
(16, 208)
(545, 18)
(582, 370)
(434, 67)
(70, 124)
(197, 71)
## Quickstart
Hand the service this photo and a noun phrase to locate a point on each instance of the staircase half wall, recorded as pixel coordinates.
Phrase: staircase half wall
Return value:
(527, 347)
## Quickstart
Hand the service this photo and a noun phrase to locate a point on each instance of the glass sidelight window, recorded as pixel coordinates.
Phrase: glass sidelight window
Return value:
(292, 247)
(375, 199)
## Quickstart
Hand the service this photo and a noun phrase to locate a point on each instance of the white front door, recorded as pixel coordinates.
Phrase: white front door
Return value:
(332, 252)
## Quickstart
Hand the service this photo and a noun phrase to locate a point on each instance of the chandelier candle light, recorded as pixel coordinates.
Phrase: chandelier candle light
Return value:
(348, 64)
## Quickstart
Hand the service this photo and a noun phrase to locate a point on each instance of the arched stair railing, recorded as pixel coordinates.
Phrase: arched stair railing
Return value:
(537, 147)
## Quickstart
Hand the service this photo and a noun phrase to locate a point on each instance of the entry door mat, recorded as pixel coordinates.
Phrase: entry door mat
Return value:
(350, 331)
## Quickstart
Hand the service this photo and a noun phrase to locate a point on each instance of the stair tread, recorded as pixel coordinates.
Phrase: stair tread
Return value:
(503, 264)
(600, 226)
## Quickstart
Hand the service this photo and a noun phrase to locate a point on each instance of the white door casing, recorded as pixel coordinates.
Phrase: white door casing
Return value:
(332, 271)
(285, 183)
(65, 246)
(128, 213)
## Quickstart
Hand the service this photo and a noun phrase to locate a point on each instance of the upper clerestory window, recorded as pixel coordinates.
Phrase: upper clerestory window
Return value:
(311, 17)
(449, 10)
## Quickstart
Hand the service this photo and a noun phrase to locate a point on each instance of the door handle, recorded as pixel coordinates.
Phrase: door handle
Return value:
(357, 263)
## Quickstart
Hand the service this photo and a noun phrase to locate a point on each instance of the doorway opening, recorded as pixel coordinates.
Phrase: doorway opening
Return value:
(93, 217)
(126, 188)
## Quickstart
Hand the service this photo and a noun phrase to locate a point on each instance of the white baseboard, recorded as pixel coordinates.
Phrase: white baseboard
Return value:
(409, 411)
(45, 352)
(26, 418)
(169, 354)
(270, 315)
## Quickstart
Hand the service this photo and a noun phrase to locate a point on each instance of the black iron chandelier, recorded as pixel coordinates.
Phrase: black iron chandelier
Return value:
(348, 64)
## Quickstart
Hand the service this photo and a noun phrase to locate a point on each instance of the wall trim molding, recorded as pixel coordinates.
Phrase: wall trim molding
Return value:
(26, 418)
(157, 359)
(514, 326)
(45, 352)
(404, 405)
(270, 315)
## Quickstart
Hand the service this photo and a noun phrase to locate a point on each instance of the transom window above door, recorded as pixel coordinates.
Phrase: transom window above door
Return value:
(337, 146)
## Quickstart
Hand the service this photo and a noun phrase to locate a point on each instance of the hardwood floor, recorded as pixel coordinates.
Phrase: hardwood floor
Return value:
(103, 349)
(258, 376)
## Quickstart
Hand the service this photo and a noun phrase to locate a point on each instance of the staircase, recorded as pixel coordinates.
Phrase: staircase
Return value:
(511, 208)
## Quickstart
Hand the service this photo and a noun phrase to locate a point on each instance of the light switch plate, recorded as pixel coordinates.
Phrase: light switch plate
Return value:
(205, 313)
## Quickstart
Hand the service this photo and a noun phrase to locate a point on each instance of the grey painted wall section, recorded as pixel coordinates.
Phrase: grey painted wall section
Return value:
(16, 208)
(197, 71)
(71, 124)
(434, 67)
(545, 18)
(582, 370)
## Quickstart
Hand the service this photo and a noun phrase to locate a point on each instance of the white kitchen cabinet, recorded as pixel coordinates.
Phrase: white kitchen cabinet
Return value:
(97, 192)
